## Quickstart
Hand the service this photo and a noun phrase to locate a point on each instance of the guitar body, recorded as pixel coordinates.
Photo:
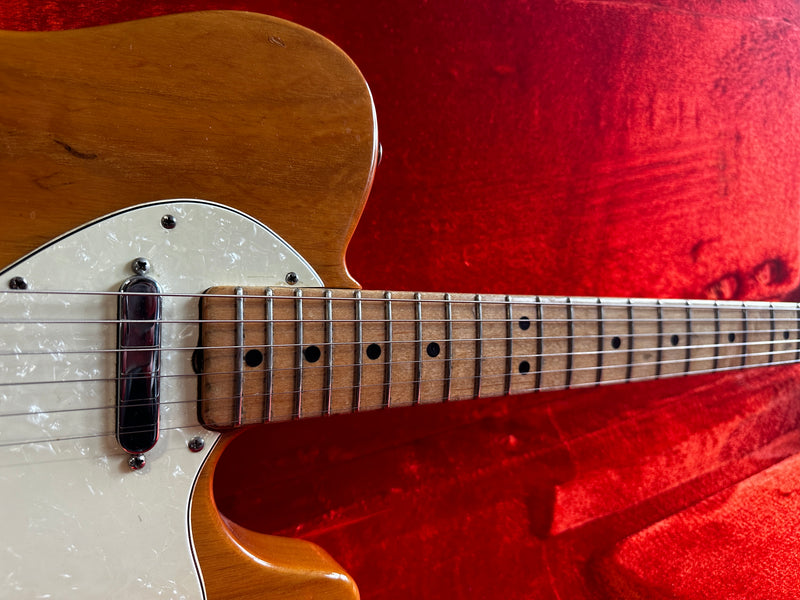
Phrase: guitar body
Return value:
(231, 107)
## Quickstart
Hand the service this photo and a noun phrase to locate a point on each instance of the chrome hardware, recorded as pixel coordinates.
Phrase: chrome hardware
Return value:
(18, 283)
(168, 222)
(140, 265)
(291, 278)
(196, 444)
(137, 462)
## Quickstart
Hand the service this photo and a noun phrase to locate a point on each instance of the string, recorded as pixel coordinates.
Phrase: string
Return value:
(488, 340)
(595, 368)
(378, 406)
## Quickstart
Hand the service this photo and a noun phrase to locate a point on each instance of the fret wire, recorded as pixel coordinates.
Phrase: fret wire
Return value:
(387, 396)
(660, 351)
(600, 337)
(238, 359)
(509, 347)
(326, 401)
(797, 321)
(269, 356)
(688, 336)
(629, 370)
(717, 334)
(744, 334)
(418, 349)
(359, 351)
(478, 344)
(448, 365)
(570, 341)
(772, 329)
(298, 398)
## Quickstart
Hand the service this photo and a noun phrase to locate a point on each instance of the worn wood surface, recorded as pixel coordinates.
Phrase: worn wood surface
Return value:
(237, 108)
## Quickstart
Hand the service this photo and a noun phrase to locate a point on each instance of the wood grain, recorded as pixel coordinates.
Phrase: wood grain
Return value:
(237, 108)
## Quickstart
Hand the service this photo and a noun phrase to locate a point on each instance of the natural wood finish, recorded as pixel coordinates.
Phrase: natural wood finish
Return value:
(296, 569)
(498, 344)
(243, 109)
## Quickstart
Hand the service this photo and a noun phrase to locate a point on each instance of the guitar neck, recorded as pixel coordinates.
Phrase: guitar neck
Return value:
(283, 353)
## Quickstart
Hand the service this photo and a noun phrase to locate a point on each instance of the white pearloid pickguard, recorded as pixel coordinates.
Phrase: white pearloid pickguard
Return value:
(76, 521)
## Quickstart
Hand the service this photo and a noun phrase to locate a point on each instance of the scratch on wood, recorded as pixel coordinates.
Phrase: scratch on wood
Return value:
(75, 153)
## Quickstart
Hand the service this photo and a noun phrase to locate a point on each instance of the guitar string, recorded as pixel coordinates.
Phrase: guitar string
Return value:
(516, 356)
(459, 298)
(378, 406)
(784, 331)
(592, 368)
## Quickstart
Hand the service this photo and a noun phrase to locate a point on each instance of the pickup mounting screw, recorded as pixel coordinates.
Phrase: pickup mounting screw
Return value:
(291, 278)
(168, 222)
(196, 444)
(140, 266)
(136, 462)
(18, 283)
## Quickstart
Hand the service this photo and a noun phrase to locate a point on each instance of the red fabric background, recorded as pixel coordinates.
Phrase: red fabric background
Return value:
(575, 147)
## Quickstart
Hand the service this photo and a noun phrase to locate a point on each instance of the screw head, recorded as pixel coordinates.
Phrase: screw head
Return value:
(136, 462)
(168, 222)
(140, 265)
(18, 283)
(291, 278)
(196, 444)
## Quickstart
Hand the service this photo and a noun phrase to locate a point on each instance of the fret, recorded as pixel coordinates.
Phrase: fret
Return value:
(387, 378)
(375, 348)
(284, 333)
(797, 333)
(269, 362)
(448, 365)
(328, 351)
(495, 348)
(771, 332)
(297, 411)
(731, 325)
(759, 336)
(463, 347)
(745, 345)
(238, 361)
(404, 335)
(631, 342)
(645, 339)
(570, 341)
(479, 344)
(554, 318)
(434, 336)
(539, 344)
(358, 346)
(526, 343)
(617, 342)
(703, 336)
(785, 327)
(587, 332)
(509, 346)
(418, 347)
(675, 338)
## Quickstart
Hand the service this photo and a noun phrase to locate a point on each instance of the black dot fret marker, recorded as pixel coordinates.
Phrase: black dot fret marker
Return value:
(253, 358)
(524, 323)
(373, 351)
(616, 342)
(433, 349)
(524, 367)
(786, 335)
(674, 340)
(731, 337)
(312, 354)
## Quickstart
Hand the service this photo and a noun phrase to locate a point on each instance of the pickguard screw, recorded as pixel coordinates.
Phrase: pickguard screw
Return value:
(196, 444)
(136, 462)
(168, 222)
(140, 266)
(291, 278)
(18, 283)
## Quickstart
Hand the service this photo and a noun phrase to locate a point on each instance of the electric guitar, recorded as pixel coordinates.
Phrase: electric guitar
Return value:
(135, 346)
